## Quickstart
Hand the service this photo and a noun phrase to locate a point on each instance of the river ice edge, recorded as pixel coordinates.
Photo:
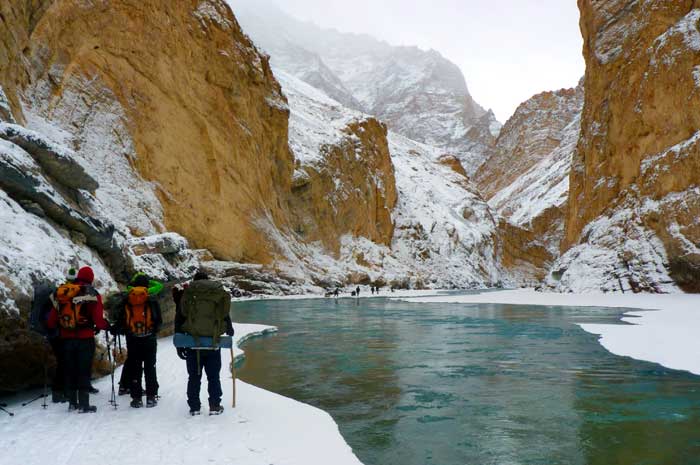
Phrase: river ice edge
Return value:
(667, 335)
(263, 429)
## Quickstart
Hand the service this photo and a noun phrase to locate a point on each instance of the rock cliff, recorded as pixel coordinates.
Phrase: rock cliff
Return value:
(198, 113)
(634, 203)
(526, 180)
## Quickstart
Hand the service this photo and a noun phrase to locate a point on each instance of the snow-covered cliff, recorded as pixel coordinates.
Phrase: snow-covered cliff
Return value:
(418, 94)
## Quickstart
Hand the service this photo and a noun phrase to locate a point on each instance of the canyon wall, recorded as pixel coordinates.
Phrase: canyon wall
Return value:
(526, 180)
(634, 200)
(200, 115)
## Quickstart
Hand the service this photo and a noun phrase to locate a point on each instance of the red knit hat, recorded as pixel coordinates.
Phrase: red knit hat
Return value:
(86, 275)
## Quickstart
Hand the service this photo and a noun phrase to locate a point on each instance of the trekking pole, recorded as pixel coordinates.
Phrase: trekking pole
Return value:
(2, 407)
(40, 396)
(233, 376)
(113, 398)
(46, 384)
(119, 343)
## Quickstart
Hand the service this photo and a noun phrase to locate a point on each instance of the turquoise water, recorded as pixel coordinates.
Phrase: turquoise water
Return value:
(417, 384)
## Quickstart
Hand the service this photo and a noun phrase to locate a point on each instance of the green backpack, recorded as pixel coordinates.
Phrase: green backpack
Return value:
(205, 306)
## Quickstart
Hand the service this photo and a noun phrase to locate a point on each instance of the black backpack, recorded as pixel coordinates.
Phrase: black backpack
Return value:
(41, 306)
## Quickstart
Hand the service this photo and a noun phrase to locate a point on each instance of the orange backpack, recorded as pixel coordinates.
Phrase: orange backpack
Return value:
(69, 307)
(139, 318)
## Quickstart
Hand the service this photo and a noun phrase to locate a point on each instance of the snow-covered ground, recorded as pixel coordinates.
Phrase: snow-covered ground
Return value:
(263, 429)
(667, 336)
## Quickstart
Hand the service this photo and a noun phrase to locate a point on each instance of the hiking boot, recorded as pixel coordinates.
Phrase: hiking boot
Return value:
(93, 390)
(58, 398)
(151, 401)
(136, 403)
(87, 409)
(194, 412)
(72, 407)
(124, 391)
(216, 409)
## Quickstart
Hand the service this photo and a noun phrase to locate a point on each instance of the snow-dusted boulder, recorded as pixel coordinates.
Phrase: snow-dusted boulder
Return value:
(165, 257)
(23, 180)
(56, 161)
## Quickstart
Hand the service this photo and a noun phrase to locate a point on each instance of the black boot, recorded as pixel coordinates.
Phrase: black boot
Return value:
(217, 409)
(94, 390)
(136, 403)
(58, 397)
(151, 401)
(72, 398)
(84, 403)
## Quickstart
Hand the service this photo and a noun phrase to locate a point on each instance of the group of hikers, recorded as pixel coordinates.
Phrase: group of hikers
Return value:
(71, 314)
(356, 293)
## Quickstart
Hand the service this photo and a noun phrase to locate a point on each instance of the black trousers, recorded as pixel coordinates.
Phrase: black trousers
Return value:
(142, 362)
(208, 361)
(58, 385)
(77, 357)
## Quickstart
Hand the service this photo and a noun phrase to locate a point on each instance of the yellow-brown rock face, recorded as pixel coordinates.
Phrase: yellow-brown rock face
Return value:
(206, 116)
(639, 151)
(526, 179)
(17, 21)
(353, 190)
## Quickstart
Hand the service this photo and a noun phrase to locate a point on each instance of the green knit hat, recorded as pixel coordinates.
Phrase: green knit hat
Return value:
(72, 274)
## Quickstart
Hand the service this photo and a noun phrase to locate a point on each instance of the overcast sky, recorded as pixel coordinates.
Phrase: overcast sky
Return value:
(508, 50)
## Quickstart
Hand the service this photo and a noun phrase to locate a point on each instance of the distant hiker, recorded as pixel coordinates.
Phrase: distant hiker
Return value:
(336, 293)
(357, 291)
(140, 320)
(154, 288)
(202, 309)
(38, 319)
(371, 288)
(77, 312)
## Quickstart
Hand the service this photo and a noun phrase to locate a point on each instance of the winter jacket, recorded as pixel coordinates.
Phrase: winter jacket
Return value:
(93, 310)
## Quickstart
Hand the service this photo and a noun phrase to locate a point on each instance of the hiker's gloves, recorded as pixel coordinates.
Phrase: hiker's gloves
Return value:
(182, 353)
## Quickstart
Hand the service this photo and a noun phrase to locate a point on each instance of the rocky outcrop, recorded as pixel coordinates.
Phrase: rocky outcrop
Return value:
(637, 165)
(526, 180)
(353, 191)
(535, 130)
(200, 115)
(23, 179)
(523, 253)
(53, 159)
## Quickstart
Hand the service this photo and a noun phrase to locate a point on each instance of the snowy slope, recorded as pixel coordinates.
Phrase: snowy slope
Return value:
(419, 94)
(544, 185)
(262, 430)
(445, 235)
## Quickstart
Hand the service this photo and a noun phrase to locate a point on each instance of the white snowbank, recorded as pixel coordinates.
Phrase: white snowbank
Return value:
(265, 428)
(667, 336)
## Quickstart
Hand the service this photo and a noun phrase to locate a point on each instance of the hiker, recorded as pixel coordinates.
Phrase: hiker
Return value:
(197, 306)
(357, 291)
(77, 312)
(336, 293)
(140, 320)
(41, 308)
(154, 288)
